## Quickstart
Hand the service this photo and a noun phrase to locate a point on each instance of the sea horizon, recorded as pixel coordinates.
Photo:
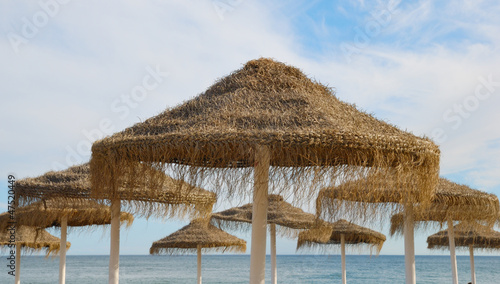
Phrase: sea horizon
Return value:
(299, 268)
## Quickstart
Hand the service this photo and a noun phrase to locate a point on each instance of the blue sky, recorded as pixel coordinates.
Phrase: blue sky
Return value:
(69, 69)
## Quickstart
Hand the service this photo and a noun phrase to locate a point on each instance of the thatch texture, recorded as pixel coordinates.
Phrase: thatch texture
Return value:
(309, 132)
(49, 213)
(33, 240)
(449, 197)
(279, 212)
(477, 236)
(175, 197)
(456, 202)
(353, 234)
(198, 233)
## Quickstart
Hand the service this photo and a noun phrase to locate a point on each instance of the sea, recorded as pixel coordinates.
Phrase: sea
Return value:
(360, 269)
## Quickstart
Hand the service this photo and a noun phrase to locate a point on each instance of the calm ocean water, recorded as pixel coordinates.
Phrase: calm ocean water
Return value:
(235, 269)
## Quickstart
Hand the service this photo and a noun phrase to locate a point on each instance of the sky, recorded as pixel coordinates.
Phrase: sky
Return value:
(73, 72)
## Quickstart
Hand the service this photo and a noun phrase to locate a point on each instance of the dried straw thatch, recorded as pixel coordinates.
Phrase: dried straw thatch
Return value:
(456, 202)
(466, 235)
(309, 132)
(32, 240)
(198, 233)
(353, 234)
(279, 212)
(49, 213)
(72, 186)
(448, 197)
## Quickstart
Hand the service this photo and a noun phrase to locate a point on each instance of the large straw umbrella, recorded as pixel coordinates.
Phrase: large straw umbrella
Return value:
(341, 232)
(272, 117)
(57, 213)
(197, 236)
(453, 202)
(30, 239)
(69, 192)
(279, 212)
(466, 235)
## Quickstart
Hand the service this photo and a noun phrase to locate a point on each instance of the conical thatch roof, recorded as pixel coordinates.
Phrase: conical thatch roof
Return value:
(49, 213)
(478, 236)
(198, 233)
(73, 184)
(267, 103)
(33, 239)
(353, 235)
(455, 201)
(449, 197)
(279, 212)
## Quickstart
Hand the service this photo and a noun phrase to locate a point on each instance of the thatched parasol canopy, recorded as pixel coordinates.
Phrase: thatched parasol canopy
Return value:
(279, 212)
(49, 213)
(456, 202)
(353, 234)
(449, 197)
(264, 122)
(466, 235)
(198, 233)
(72, 186)
(265, 103)
(33, 239)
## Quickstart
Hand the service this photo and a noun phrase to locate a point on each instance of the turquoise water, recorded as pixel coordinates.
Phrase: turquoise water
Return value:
(235, 269)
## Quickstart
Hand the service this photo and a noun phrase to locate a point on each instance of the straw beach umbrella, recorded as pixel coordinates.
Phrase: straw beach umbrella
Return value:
(197, 236)
(174, 197)
(341, 232)
(454, 202)
(268, 122)
(64, 196)
(57, 213)
(30, 239)
(52, 213)
(467, 236)
(279, 213)
(449, 197)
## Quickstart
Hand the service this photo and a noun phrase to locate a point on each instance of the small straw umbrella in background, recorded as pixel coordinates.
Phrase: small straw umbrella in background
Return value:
(341, 232)
(197, 236)
(69, 195)
(32, 240)
(57, 213)
(378, 198)
(453, 202)
(279, 213)
(269, 119)
(469, 236)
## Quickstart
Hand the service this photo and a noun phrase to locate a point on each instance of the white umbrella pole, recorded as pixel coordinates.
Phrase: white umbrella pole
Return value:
(342, 251)
(274, 269)
(199, 264)
(453, 257)
(114, 254)
(18, 263)
(62, 250)
(472, 269)
(409, 246)
(259, 216)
